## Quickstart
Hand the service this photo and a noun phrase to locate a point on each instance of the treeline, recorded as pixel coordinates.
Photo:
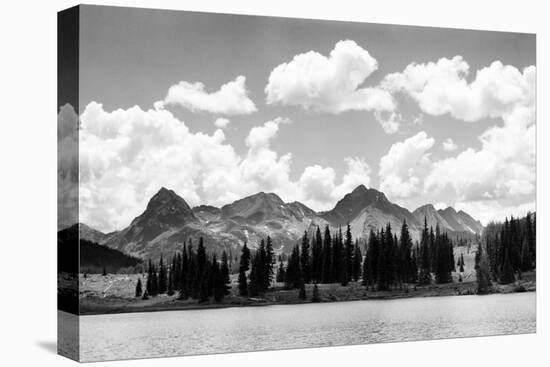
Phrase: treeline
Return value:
(510, 248)
(329, 257)
(435, 256)
(193, 274)
(95, 258)
(389, 261)
(260, 265)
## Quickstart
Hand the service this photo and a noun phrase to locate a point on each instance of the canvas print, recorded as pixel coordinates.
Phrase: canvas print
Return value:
(232, 183)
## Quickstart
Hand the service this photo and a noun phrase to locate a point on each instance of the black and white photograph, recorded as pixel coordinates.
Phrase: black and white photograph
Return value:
(236, 183)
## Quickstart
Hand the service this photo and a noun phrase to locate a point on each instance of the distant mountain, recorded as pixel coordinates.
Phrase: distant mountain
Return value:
(266, 208)
(207, 213)
(168, 221)
(165, 210)
(461, 221)
(367, 209)
(160, 229)
(433, 218)
(474, 225)
(91, 234)
(455, 224)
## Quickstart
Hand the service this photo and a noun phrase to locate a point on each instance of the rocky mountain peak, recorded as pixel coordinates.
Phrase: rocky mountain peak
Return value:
(257, 207)
(351, 204)
(165, 209)
(167, 198)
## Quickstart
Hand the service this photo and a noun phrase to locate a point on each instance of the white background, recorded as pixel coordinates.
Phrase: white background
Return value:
(28, 181)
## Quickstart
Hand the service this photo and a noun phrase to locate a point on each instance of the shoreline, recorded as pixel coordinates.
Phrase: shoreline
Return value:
(329, 293)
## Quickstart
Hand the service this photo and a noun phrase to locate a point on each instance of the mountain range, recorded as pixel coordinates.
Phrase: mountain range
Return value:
(168, 221)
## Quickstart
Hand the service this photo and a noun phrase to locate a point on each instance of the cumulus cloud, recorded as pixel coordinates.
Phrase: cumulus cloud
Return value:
(405, 165)
(231, 99)
(67, 172)
(332, 84)
(442, 87)
(489, 210)
(449, 145)
(127, 155)
(318, 188)
(503, 168)
(492, 182)
(221, 123)
(259, 136)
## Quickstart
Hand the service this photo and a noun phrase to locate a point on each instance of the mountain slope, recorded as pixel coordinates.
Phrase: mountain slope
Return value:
(367, 209)
(91, 234)
(433, 218)
(90, 256)
(168, 221)
(474, 225)
(94, 258)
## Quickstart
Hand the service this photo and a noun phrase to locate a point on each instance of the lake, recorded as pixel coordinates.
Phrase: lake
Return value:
(169, 333)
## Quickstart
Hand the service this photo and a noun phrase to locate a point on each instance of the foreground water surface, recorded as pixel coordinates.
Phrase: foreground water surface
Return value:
(168, 333)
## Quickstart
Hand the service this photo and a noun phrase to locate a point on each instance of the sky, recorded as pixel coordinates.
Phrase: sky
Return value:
(218, 107)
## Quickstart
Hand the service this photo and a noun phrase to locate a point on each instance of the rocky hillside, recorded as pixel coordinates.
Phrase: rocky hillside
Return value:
(168, 221)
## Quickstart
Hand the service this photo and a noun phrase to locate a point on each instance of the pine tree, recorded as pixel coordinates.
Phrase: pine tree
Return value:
(243, 267)
(259, 267)
(280, 273)
(304, 259)
(173, 275)
(193, 285)
(413, 269)
(337, 247)
(245, 258)
(432, 250)
(386, 259)
(482, 272)
(530, 238)
(162, 277)
(293, 274)
(138, 288)
(269, 262)
(370, 264)
(327, 269)
(149, 282)
(424, 277)
(224, 271)
(218, 280)
(357, 260)
(201, 280)
(525, 256)
(170, 289)
(243, 286)
(477, 257)
(155, 284)
(443, 254)
(507, 271)
(348, 254)
(184, 274)
(254, 284)
(407, 269)
(317, 257)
